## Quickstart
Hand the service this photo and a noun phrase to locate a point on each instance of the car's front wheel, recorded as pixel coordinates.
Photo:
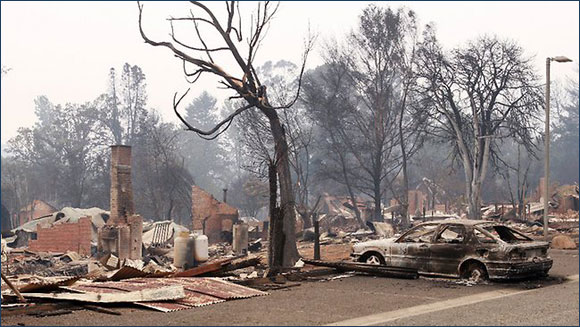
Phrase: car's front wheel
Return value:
(373, 258)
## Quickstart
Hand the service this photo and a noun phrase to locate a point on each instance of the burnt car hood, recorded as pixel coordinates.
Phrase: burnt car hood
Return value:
(380, 243)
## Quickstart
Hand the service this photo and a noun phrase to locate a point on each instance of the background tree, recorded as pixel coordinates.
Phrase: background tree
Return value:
(478, 95)
(328, 99)
(64, 158)
(162, 182)
(249, 193)
(122, 110)
(208, 162)
(61, 149)
(565, 137)
(376, 62)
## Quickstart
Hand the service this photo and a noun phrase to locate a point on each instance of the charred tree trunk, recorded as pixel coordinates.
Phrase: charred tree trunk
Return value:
(276, 223)
(377, 212)
(404, 199)
(355, 206)
(283, 235)
(475, 202)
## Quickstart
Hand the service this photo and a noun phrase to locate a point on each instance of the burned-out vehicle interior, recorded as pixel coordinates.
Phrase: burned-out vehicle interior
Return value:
(472, 249)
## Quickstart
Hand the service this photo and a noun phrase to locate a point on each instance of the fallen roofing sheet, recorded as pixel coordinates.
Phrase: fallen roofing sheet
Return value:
(127, 272)
(47, 284)
(198, 291)
(164, 293)
(209, 286)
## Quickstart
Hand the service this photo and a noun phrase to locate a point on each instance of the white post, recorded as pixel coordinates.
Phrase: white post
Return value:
(547, 149)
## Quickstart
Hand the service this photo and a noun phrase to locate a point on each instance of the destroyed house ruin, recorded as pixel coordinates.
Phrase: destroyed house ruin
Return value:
(211, 217)
(122, 234)
(34, 210)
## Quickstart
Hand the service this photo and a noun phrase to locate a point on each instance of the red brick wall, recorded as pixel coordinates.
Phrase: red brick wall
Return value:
(218, 216)
(201, 206)
(417, 200)
(64, 237)
(39, 209)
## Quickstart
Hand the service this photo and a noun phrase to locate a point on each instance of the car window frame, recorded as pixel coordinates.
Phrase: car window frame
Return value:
(442, 229)
(402, 237)
(488, 234)
(526, 238)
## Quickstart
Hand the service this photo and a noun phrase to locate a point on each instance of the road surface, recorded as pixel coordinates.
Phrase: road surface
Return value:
(362, 300)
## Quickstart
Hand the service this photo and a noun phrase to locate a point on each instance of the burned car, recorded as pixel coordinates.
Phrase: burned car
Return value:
(472, 249)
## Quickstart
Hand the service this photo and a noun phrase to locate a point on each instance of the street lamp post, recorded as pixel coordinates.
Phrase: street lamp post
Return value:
(547, 140)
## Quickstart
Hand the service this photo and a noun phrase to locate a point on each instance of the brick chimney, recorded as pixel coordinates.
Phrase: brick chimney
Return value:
(121, 190)
(122, 235)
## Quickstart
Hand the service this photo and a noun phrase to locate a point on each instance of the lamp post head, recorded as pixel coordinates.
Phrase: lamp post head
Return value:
(561, 59)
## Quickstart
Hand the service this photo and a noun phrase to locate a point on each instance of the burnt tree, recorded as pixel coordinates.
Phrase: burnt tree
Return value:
(247, 87)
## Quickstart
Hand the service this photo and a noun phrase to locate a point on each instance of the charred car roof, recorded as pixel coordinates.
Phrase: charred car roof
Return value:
(467, 222)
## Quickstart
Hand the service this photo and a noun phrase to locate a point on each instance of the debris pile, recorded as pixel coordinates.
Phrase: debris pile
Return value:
(161, 294)
(45, 264)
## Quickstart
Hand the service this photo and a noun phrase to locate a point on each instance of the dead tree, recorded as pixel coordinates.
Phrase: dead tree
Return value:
(477, 96)
(371, 64)
(328, 98)
(256, 141)
(248, 87)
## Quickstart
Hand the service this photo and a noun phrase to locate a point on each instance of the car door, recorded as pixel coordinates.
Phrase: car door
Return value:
(448, 249)
(411, 250)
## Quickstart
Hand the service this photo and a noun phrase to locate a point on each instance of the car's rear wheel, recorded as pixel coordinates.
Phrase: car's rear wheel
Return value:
(475, 272)
(373, 258)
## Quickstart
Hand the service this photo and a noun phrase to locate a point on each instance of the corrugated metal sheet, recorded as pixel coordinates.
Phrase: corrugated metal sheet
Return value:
(127, 272)
(219, 288)
(191, 300)
(199, 291)
(48, 284)
(210, 286)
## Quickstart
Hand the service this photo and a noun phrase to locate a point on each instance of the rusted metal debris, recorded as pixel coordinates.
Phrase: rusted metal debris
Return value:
(199, 291)
(218, 268)
(127, 272)
(48, 284)
(173, 292)
(384, 271)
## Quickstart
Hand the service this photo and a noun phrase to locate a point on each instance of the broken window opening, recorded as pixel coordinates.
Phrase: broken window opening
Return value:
(506, 234)
(420, 234)
(452, 234)
(482, 237)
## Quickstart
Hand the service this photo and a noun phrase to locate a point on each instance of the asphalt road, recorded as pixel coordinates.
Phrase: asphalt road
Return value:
(362, 300)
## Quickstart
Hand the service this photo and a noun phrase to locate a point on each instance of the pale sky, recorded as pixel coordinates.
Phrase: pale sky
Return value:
(64, 49)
